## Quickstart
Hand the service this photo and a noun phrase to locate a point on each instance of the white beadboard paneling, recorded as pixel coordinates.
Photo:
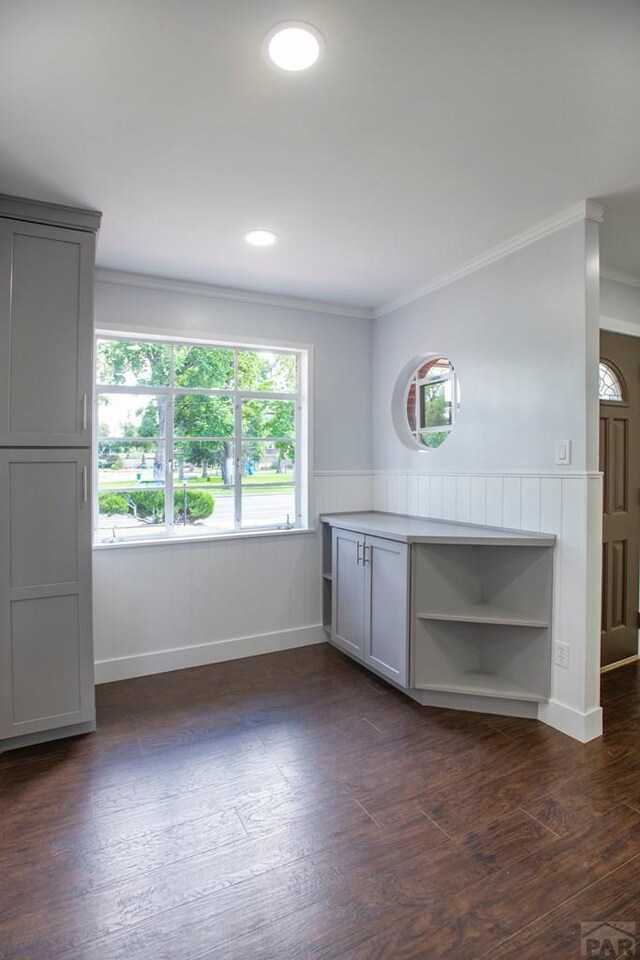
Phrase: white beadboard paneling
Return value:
(412, 495)
(463, 499)
(379, 492)
(478, 513)
(450, 485)
(424, 496)
(437, 497)
(401, 493)
(512, 502)
(495, 501)
(392, 491)
(530, 506)
(551, 505)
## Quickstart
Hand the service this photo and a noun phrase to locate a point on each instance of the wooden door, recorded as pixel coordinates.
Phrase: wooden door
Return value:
(46, 335)
(348, 592)
(620, 464)
(46, 655)
(386, 645)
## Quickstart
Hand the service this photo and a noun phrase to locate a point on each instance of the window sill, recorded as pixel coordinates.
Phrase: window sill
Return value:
(204, 538)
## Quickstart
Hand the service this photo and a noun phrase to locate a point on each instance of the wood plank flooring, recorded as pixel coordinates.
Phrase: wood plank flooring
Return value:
(292, 806)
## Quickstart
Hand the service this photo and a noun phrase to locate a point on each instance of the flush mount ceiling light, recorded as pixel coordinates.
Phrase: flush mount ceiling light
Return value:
(261, 238)
(293, 45)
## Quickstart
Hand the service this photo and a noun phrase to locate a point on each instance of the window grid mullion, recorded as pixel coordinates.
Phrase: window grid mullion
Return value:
(237, 448)
(168, 457)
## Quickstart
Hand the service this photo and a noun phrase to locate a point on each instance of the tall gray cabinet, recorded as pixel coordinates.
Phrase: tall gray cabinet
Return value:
(47, 255)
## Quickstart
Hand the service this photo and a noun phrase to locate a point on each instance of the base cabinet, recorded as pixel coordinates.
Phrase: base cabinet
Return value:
(370, 590)
(46, 661)
(457, 615)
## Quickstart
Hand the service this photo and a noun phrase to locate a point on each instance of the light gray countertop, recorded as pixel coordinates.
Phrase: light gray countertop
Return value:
(408, 529)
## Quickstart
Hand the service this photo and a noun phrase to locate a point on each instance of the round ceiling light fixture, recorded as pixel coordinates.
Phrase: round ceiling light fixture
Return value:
(261, 238)
(293, 46)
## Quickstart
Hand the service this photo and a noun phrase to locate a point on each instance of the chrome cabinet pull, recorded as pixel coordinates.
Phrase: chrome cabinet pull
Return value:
(365, 558)
(358, 545)
(85, 485)
(84, 411)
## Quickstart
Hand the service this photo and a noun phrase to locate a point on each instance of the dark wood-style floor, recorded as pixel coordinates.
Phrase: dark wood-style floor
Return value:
(292, 806)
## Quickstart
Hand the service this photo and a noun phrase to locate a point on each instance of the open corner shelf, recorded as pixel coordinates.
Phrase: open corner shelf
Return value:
(484, 684)
(483, 613)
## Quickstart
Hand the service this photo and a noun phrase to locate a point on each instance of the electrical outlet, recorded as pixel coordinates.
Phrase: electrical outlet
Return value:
(561, 654)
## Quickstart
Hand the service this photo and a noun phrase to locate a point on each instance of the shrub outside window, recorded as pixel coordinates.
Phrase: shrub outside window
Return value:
(197, 438)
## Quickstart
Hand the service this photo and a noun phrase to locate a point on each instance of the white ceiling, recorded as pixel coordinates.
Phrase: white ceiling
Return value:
(431, 131)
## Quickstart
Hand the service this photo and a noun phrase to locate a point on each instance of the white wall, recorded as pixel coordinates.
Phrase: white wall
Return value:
(620, 303)
(522, 334)
(515, 332)
(163, 606)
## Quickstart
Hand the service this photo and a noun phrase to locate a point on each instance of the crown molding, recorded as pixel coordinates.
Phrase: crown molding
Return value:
(56, 214)
(148, 282)
(584, 210)
(620, 276)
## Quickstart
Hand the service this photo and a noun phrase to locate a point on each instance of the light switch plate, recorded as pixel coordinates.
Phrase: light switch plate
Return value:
(563, 452)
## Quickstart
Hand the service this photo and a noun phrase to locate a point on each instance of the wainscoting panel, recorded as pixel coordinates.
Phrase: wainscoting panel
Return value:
(165, 606)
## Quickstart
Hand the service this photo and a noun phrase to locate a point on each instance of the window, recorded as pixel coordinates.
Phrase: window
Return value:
(610, 385)
(197, 438)
(432, 402)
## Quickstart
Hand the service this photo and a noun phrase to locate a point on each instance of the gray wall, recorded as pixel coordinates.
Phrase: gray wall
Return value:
(342, 359)
(515, 332)
(620, 301)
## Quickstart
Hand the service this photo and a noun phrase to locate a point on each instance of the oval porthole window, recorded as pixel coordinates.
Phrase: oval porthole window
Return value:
(426, 402)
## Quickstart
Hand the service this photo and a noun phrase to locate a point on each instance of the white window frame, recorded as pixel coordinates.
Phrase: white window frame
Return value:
(168, 532)
(430, 381)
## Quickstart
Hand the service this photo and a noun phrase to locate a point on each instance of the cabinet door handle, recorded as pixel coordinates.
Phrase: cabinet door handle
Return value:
(85, 485)
(365, 558)
(84, 411)
(358, 545)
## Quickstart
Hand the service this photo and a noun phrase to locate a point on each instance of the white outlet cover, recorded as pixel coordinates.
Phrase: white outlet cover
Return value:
(561, 655)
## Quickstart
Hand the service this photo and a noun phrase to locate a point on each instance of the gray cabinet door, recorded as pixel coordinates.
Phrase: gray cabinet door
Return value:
(46, 655)
(387, 608)
(46, 335)
(348, 592)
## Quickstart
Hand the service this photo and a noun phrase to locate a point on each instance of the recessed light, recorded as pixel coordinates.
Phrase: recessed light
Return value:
(261, 238)
(294, 45)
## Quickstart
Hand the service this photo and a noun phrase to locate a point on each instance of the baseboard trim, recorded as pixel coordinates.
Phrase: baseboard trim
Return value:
(216, 651)
(581, 726)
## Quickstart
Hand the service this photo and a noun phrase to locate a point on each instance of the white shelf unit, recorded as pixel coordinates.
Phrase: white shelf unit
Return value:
(482, 619)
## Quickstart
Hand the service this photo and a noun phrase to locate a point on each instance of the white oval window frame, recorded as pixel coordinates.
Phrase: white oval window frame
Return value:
(401, 394)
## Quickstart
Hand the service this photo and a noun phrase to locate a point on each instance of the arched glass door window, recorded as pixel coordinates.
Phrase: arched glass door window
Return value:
(611, 388)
